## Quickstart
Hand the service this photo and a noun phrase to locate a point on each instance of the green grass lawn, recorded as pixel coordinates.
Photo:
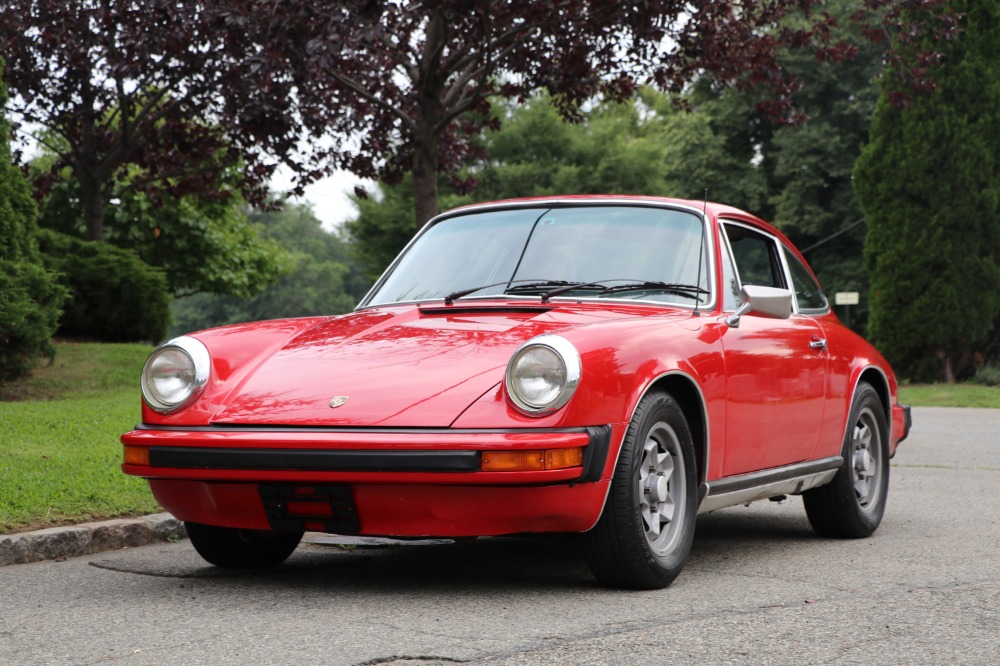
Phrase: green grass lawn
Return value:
(950, 395)
(59, 448)
(59, 429)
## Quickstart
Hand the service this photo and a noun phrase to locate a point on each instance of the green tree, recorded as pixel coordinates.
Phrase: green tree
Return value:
(30, 298)
(324, 278)
(929, 182)
(202, 243)
(808, 167)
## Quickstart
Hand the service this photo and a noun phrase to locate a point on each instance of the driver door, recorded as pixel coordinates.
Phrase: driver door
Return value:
(775, 368)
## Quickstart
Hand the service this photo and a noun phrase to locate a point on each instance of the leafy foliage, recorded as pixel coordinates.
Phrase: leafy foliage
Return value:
(929, 181)
(202, 244)
(323, 277)
(413, 82)
(119, 83)
(30, 299)
(114, 295)
(808, 167)
(410, 83)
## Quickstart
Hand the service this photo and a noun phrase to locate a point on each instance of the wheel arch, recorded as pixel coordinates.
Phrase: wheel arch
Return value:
(875, 377)
(685, 390)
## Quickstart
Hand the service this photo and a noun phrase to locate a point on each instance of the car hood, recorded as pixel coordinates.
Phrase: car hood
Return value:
(396, 367)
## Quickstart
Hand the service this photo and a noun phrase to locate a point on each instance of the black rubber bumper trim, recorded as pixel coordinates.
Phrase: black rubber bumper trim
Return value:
(595, 456)
(907, 422)
(186, 457)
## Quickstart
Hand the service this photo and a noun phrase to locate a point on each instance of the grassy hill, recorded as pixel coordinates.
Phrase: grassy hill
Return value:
(59, 448)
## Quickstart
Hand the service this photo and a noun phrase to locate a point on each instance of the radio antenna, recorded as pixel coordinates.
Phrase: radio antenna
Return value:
(701, 254)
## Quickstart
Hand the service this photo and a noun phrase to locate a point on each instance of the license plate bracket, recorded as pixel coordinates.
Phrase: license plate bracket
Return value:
(318, 508)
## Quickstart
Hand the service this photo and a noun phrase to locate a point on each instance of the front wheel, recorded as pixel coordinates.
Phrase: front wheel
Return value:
(852, 504)
(645, 532)
(235, 548)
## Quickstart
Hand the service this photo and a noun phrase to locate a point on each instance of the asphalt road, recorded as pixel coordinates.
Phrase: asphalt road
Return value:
(759, 588)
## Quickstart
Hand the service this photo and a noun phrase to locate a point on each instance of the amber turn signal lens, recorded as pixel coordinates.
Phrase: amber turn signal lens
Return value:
(563, 458)
(513, 461)
(527, 461)
(137, 455)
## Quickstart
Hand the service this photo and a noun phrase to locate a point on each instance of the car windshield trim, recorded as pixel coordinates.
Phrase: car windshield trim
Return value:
(663, 245)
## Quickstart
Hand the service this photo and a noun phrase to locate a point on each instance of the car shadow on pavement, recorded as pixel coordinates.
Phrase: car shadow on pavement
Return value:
(537, 562)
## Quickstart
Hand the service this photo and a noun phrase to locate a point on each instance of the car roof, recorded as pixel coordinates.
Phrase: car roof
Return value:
(715, 210)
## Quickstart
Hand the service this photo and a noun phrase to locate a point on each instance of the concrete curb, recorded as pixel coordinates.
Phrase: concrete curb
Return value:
(60, 542)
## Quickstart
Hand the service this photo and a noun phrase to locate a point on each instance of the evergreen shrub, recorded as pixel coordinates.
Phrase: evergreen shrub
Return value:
(114, 295)
(29, 296)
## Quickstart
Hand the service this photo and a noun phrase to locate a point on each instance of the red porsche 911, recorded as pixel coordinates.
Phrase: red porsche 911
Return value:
(610, 365)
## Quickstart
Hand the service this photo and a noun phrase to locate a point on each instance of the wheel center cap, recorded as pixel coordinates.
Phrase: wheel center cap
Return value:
(863, 462)
(658, 488)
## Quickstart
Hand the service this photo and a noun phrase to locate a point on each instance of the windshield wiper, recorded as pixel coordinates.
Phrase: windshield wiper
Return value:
(450, 298)
(542, 286)
(687, 290)
(533, 286)
(549, 288)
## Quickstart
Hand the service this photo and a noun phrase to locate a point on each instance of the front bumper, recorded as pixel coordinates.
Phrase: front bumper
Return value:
(399, 482)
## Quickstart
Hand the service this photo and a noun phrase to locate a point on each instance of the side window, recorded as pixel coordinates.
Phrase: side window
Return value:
(756, 257)
(808, 295)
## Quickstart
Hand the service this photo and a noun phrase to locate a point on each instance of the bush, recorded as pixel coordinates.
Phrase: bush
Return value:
(114, 295)
(29, 312)
(988, 375)
(29, 296)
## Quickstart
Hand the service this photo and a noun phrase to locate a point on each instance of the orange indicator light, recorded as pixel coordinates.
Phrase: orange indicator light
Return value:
(563, 458)
(137, 455)
(529, 461)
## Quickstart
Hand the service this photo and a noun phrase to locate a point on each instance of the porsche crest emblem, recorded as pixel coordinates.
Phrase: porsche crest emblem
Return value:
(338, 400)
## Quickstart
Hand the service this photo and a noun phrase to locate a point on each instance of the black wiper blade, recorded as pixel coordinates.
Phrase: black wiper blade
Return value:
(532, 286)
(540, 286)
(573, 286)
(450, 298)
(688, 290)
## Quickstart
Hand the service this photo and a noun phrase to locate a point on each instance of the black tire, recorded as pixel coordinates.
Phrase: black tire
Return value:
(851, 506)
(234, 548)
(644, 534)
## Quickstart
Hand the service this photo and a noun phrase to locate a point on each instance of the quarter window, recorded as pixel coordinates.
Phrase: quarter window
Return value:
(730, 283)
(808, 295)
(756, 257)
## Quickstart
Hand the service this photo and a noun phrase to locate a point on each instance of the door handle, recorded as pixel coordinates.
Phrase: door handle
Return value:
(818, 343)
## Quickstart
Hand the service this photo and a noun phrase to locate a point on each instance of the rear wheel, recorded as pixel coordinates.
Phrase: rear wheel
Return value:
(234, 548)
(851, 506)
(645, 532)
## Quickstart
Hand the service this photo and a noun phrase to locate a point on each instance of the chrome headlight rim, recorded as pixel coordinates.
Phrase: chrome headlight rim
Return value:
(572, 366)
(200, 361)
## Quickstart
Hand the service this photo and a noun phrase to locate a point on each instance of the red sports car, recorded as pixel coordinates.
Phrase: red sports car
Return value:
(606, 365)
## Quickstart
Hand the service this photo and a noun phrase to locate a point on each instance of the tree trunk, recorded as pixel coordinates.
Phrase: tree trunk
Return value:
(425, 186)
(92, 203)
(428, 86)
(947, 369)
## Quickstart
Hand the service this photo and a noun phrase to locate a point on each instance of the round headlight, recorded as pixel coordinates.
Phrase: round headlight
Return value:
(543, 374)
(175, 374)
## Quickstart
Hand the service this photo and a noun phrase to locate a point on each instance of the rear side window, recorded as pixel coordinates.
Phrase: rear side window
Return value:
(809, 297)
(756, 257)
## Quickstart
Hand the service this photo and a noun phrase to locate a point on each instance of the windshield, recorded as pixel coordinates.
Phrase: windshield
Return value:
(490, 253)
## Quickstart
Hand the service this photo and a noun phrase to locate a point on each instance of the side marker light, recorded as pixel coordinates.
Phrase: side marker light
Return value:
(137, 455)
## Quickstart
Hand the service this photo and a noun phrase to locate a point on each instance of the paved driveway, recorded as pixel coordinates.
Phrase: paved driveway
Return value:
(759, 587)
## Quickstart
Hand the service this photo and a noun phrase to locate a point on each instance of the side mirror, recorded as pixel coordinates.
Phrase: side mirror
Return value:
(762, 301)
